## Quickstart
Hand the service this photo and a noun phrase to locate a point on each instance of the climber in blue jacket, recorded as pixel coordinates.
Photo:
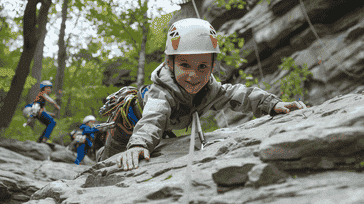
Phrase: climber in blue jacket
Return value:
(84, 143)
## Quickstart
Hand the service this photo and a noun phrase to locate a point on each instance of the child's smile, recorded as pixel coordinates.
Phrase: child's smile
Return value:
(193, 71)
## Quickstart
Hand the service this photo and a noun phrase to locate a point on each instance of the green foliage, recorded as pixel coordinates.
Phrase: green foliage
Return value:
(208, 124)
(157, 36)
(112, 24)
(260, 1)
(148, 69)
(235, 3)
(182, 132)
(291, 84)
(9, 59)
(17, 131)
(170, 176)
(148, 179)
(229, 51)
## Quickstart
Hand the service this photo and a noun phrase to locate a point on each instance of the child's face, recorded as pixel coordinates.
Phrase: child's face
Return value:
(193, 71)
(48, 89)
(90, 123)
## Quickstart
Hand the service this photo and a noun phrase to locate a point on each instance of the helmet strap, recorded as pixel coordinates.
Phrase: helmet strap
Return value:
(173, 66)
(212, 62)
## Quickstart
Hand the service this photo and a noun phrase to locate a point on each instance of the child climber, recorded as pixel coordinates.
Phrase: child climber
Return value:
(184, 84)
(84, 142)
(39, 112)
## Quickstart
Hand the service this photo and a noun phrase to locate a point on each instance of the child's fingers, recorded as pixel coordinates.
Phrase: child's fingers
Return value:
(129, 160)
(118, 161)
(135, 159)
(146, 154)
(302, 104)
(298, 105)
(125, 166)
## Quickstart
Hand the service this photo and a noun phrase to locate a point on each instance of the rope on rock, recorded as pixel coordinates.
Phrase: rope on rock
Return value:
(192, 144)
(304, 11)
(256, 50)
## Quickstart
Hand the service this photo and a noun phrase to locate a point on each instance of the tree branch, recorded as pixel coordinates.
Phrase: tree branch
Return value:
(135, 44)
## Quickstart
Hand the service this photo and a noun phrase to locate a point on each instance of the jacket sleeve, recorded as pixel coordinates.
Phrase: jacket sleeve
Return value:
(149, 129)
(87, 129)
(49, 99)
(246, 99)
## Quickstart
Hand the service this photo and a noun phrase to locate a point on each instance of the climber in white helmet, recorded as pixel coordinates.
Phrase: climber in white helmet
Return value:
(184, 84)
(84, 141)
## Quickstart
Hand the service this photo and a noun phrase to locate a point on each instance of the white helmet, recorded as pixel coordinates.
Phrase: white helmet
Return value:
(191, 36)
(45, 83)
(88, 118)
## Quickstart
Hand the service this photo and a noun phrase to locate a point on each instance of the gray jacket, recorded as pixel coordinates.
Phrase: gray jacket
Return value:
(168, 106)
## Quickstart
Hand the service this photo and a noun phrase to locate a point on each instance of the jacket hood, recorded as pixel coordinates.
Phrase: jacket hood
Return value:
(164, 77)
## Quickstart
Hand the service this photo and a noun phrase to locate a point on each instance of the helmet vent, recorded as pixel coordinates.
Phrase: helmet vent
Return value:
(172, 28)
(174, 34)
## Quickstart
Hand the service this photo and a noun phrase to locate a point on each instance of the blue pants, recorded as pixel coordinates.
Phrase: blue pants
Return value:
(82, 151)
(49, 122)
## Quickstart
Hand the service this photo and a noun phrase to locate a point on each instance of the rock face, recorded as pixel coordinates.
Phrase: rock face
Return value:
(21, 176)
(280, 30)
(41, 151)
(312, 155)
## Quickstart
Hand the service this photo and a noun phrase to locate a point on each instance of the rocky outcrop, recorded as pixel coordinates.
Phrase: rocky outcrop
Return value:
(280, 30)
(41, 151)
(312, 155)
(21, 176)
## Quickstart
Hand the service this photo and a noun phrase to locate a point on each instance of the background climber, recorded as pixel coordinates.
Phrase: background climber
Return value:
(84, 141)
(39, 112)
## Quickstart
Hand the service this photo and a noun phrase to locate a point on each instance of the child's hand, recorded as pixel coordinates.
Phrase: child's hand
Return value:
(285, 107)
(131, 156)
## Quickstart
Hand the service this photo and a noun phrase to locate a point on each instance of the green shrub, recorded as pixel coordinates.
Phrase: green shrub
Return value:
(291, 84)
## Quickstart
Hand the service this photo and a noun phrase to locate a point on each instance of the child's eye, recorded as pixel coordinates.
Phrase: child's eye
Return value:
(185, 65)
(203, 66)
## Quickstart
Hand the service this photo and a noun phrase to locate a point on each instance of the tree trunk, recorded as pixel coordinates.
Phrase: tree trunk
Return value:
(67, 109)
(61, 58)
(31, 34)
(37, 68)
(141, 64)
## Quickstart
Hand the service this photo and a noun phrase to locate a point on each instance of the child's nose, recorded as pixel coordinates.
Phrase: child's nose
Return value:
(192, 76)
